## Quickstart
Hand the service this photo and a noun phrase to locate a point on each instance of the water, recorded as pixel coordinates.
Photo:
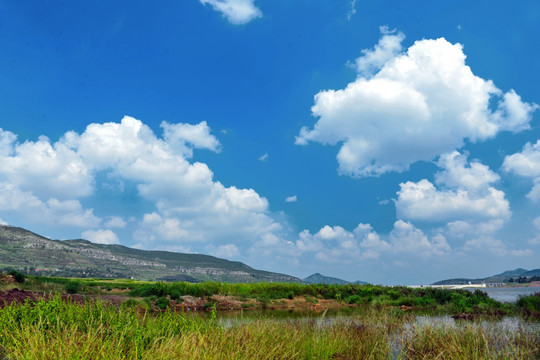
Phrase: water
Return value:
(508, 294)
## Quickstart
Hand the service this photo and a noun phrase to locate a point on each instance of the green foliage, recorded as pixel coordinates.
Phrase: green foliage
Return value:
(162, 302)
(17, 276)
(94, 330)
(73, 287)
(529, 305)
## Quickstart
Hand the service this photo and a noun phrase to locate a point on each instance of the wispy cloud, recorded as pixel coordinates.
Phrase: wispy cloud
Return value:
(352, 11)
(290, 199)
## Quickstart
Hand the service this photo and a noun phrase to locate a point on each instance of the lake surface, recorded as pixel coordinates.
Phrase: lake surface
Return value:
(508, 294)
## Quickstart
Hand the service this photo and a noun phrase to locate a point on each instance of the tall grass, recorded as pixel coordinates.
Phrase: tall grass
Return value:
(62, 330)
(473, 341)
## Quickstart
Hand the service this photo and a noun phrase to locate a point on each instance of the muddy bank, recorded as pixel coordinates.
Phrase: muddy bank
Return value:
(21, 296)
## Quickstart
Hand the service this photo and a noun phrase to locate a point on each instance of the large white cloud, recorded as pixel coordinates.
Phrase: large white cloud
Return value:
(406, 107)
(237, 12)
(45, 181)
(337, 245)
(465, 193)
(47, 170)
(29, 207)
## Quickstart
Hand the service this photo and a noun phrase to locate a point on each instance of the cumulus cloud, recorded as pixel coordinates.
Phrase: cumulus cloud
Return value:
(465, 193)
(410, 106)
(292, 198)
(388, 47)
(225, 251)
(52, 211)
(185, 204)
(180, 135)
(115, 222)
(45, 169)
(101, 236)
(337, 245)
(263, 157)
(526, 163)
(405, 237)
(237, 12)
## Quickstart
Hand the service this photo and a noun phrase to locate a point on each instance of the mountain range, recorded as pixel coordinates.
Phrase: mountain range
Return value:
(499, 278)
(321, 279)
(24, 250)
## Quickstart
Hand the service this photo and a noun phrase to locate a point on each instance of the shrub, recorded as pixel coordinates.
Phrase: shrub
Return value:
(17, 276)
(530, 305)
(73, 287)
(162, 302)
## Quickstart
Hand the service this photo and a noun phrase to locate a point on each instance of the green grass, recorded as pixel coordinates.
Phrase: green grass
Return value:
(454, 301)
(62, 330)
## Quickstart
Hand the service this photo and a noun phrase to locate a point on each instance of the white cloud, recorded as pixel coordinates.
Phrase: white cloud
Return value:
(420, 104)
(292, 198)
(467, 229)
(457, 173)
(388, 47)
(53, 211)
(465, 194)
(405, 237)
(534, 194)
(337, 245)
(185, 203)
(486, 243)
(179, 136)
(352, 11)
(422, 201)
(101, 236)
(263, 157)
(237, 12)
(526, 163)
(115, 222)
(227, 251)
(45, 169)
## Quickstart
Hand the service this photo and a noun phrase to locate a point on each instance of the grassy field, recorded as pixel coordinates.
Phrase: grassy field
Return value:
(455, 301)
(56, 329)
(147, 324)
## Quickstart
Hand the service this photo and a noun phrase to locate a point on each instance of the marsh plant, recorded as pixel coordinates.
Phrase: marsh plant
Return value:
(57, 329)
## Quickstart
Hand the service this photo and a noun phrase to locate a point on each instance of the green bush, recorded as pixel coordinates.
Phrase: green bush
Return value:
(162, 302)
(73, 287)
(530, 305)
(17, 275)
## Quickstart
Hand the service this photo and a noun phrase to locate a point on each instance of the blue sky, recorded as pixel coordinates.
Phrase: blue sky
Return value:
(382, 141)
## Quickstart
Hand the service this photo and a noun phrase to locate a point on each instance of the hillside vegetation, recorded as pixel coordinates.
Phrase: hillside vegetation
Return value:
(37, 255)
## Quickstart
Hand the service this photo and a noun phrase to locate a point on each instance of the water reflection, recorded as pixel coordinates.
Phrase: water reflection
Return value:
(508, 294)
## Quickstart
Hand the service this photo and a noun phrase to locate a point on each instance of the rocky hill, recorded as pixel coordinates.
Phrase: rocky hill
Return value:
(499, 278)
(34, 254)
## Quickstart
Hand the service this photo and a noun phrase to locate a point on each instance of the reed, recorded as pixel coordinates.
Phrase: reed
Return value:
(57, 329)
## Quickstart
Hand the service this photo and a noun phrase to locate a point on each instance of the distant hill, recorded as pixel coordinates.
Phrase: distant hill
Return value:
(358, 282)
(535, 272)
(499, 278)
(35, 254)
(322, 279)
